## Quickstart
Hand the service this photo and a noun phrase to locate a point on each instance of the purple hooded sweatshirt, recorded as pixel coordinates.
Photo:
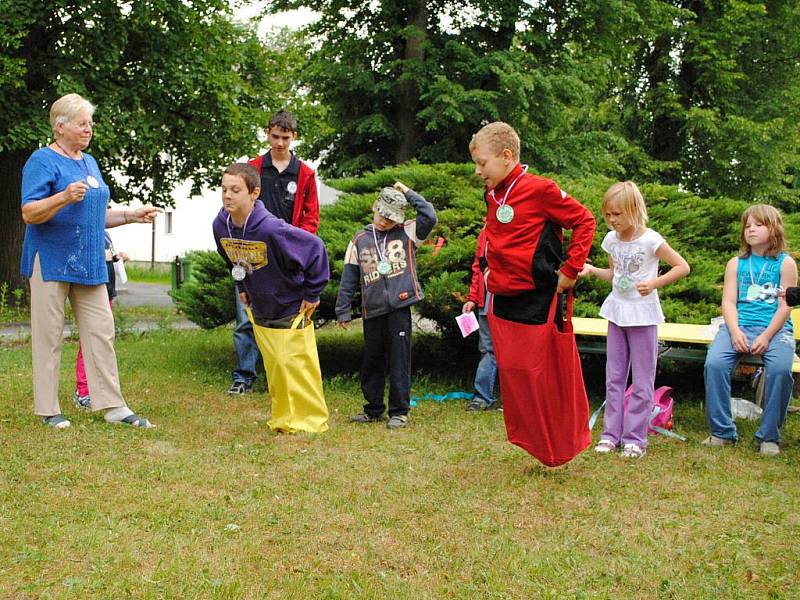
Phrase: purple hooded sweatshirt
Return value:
(285, 264)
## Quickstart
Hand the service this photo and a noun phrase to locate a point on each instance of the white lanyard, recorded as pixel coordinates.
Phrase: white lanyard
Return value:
(244, 228)
(381, 255)
(752, 280)
(508, 189)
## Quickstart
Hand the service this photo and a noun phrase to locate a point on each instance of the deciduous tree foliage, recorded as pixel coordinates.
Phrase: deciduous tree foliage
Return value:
(703, 93)
(180, 91)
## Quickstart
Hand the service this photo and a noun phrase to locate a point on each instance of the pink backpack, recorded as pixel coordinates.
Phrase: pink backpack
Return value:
(660, 418)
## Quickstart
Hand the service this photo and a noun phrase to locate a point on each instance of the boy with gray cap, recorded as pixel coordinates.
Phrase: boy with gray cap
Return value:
(381, 258)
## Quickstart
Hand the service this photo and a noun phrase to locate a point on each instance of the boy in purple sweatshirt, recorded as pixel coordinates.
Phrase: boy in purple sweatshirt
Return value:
(279, 270)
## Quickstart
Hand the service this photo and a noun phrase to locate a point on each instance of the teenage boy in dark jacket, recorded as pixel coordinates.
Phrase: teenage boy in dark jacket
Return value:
(381, 258)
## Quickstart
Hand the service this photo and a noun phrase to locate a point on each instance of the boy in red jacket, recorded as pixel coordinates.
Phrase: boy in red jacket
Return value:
(526, 216)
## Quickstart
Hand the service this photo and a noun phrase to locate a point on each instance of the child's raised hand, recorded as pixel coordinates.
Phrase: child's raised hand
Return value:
(586, 271)
(400, 187)
(645, 287)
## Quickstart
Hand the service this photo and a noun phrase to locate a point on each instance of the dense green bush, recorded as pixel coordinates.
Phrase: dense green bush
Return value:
(207, 298)
(458, 199)
(705, 231)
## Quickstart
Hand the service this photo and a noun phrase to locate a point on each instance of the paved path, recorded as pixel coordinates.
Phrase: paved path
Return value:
(144, 294)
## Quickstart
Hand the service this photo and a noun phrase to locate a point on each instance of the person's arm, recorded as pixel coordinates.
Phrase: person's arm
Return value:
(143, 214)
(347, 286)
(316, 273)
(420, 228)
(475, 283)
(36, 212)
(309, 214)
(788, 279)
(568, 213)
(730, 297)
(679, 268)
(604, 274)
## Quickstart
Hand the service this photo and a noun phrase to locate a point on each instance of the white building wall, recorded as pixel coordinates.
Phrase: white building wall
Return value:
(191, 225)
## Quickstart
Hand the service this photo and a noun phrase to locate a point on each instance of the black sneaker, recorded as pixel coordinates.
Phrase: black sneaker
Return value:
(239, 388)
(365, 418)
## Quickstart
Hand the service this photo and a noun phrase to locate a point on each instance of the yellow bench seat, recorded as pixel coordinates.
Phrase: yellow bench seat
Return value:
(687, 333)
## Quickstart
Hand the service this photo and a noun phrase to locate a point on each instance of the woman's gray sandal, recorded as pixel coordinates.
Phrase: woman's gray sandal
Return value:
(57, 421)
(135, 420)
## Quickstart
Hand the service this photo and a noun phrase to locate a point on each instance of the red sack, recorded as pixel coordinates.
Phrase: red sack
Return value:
(544, 400)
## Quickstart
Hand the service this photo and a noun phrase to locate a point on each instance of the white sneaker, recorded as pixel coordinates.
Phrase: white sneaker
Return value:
(605, 446)
(633, 451)
(769, 449)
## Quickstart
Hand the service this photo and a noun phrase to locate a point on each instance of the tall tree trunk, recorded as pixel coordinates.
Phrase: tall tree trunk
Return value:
(665, 135)
(12, 228)
(413, 52)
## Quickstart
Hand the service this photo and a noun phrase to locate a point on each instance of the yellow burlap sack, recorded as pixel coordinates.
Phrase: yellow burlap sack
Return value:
(293, 373)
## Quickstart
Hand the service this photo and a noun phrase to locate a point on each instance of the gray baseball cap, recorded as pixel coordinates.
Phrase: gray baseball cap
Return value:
(392, 205)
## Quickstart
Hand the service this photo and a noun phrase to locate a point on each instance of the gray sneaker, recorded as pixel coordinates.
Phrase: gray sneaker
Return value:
(397, 422)
(769, 449)
(477, 404)
(713, 441)
(365, 418)
(84, 402)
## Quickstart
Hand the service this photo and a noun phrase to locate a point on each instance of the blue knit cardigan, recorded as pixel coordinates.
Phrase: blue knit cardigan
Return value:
(69, 245)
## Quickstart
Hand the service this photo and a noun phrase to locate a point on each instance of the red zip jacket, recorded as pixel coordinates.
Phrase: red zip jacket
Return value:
(525, 253)
(477, 287)
(306, 200)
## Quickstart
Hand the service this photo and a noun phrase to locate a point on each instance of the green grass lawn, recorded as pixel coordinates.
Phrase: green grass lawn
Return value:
(143, 273)
(213, 505)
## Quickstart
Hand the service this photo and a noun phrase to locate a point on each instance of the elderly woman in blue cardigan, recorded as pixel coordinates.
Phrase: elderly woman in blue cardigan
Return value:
(65, 208)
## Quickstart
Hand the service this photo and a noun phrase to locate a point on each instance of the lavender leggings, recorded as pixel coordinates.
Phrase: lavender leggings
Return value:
(629, 349)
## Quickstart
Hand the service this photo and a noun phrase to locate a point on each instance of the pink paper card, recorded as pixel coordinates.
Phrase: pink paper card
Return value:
(467, 323)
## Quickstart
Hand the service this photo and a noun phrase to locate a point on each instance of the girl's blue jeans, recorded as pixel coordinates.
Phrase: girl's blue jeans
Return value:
(720, 362)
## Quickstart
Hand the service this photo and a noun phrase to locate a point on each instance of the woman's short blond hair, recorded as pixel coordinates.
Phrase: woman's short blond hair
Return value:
(497, 137)
(626, 196)
(772, 218)
(66, 108)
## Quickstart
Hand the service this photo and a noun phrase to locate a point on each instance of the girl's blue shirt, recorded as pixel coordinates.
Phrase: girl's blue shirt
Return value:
(71, 244)
(758, 270)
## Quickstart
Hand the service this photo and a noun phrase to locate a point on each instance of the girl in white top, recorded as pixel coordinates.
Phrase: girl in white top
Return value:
(633, 312)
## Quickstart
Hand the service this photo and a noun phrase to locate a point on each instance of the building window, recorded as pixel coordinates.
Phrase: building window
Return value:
(168, 222)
